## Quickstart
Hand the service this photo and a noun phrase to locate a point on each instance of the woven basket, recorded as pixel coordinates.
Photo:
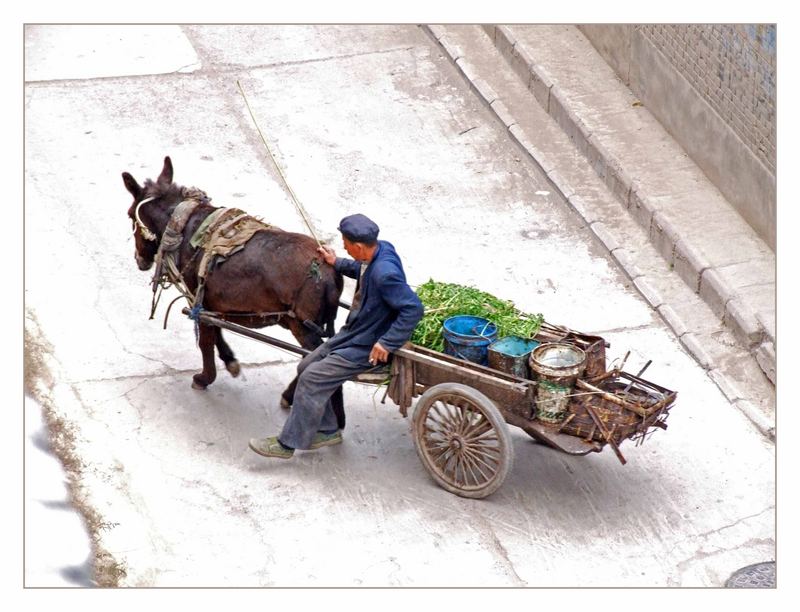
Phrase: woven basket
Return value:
(627, 406)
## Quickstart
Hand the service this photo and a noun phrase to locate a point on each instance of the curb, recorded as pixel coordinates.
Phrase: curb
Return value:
(686, 260)
(689, 264)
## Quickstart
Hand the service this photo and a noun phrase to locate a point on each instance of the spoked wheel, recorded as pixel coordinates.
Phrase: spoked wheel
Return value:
(462, 440)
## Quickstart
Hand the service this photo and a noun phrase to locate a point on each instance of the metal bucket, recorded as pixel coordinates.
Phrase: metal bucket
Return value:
(468, 338)
(556, 367)
(511, 354)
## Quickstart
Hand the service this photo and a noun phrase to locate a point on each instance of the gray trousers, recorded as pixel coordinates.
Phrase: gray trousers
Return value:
(320, 373)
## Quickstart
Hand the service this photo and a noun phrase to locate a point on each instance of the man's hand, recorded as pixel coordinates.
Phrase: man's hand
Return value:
(328, 254)
(378, 354)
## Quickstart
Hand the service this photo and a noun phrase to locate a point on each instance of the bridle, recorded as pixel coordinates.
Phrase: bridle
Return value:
(146, 233)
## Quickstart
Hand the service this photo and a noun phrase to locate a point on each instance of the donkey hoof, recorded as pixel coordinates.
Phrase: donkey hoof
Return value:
(233, 367)
(284, 404)
(197, 384)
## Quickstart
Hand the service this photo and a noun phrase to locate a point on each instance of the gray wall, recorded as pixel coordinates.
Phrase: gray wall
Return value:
(713, 88)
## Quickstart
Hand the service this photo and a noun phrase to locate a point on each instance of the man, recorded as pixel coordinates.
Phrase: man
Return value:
(383, 315)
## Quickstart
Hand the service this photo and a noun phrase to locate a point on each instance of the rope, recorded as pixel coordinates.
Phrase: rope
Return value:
(194, 315)
(297, 204)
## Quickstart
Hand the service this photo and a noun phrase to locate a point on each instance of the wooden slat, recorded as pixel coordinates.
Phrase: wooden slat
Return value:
(549, 435)
(464, 369)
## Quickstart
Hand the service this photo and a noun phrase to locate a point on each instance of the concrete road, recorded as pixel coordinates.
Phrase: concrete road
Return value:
(362, 118)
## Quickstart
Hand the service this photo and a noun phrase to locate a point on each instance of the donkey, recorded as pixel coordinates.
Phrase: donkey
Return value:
(275, 272)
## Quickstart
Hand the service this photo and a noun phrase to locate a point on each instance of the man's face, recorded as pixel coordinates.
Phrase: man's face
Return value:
(354, 249)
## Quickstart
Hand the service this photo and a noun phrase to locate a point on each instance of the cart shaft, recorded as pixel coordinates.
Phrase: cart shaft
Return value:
(246, 331)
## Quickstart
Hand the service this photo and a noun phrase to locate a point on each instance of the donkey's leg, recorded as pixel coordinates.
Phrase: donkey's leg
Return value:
(337, 401)
(337, 404)
(226, 354)
(308, 340)
(206, 342)
(287, 397)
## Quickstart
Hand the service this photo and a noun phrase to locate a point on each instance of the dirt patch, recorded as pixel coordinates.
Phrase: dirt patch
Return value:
(35, 372)
(38, 382)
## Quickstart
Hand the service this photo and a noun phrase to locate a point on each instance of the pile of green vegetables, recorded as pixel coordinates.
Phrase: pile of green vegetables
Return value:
(445, 300)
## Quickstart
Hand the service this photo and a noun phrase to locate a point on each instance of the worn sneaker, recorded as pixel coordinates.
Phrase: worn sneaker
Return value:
(270, 447)
(323, 439)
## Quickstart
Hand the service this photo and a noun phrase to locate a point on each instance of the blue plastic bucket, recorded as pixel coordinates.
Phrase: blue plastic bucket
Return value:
(469, 338)
(510, 355)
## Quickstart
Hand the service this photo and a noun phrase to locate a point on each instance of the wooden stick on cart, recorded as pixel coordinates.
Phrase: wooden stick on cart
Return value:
(605, 432)
(582, 384)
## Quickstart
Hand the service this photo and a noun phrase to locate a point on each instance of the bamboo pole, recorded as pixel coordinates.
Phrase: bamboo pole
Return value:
(297, 204)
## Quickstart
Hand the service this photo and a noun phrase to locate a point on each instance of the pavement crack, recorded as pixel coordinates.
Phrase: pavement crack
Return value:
(501, 552)
(168, 371)
(225, 68)
(700, 555)
(736, 522)
(712, 532)
(619, 330)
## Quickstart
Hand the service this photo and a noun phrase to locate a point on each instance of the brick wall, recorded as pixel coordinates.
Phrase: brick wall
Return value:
(712, 87)
(733, 68)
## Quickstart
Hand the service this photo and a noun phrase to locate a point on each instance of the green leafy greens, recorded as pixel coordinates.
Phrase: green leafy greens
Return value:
(445, 300)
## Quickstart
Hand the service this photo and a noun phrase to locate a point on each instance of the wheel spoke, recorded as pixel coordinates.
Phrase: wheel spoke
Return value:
(488, 446)
(472, 418)
(434, 433)
(443, 416)
(479, 429)
(451, 415)
(440, 455)
(490, 452)
(482, 459)
(463, 418)
(434, 415)
(473, 464)
(466, 472)
(437, 448)
(448, 469)
(456, 465)
(488, 433)
(437, 426)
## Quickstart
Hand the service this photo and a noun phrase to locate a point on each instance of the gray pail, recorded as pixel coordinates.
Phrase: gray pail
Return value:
(556, 367)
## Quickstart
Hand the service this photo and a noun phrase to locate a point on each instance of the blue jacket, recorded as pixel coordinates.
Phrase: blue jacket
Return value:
(389, 309)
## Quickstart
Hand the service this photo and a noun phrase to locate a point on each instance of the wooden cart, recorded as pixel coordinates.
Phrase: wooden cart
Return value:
(460, 421)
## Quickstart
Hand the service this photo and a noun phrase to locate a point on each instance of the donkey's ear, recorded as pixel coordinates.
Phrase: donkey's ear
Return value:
(131, 185)
(165, 178)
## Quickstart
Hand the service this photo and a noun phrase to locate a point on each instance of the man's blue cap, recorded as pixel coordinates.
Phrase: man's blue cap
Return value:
(359, 228)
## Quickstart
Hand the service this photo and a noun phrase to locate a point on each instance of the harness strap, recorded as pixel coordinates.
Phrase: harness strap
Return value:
(165, 256)
(219, 226)
(173, 236)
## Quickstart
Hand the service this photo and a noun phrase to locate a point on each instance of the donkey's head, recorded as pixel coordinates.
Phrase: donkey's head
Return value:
(149, 211)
